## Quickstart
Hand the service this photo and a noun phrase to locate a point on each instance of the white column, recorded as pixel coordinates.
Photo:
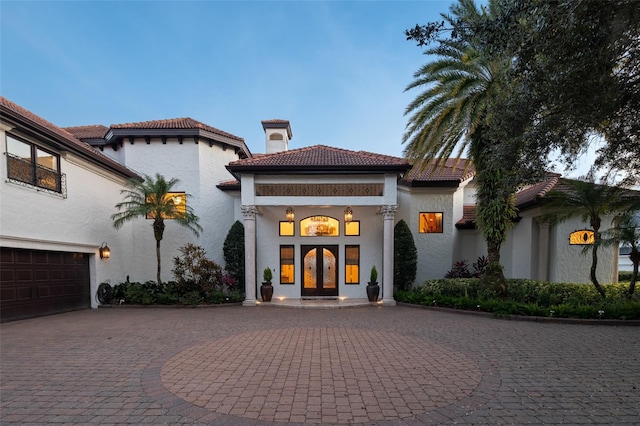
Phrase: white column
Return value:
(387, 255)
(543, 251)
(249, 214)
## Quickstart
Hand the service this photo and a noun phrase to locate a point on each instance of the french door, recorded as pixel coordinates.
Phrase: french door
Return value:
(320, 270)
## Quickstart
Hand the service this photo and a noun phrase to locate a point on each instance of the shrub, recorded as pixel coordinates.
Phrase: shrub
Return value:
(405, 258)
(527, 297)
(194, 272)
(461, 268)
(233, 250)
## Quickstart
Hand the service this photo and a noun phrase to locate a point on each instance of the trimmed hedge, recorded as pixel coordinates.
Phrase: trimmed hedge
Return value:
(527, 297)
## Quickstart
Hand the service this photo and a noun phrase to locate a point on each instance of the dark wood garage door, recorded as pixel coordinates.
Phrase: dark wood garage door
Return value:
(34, 283)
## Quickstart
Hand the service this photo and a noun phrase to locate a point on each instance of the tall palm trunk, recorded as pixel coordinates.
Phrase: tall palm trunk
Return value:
(595, 223)
(158, 259)
(158, 232)
(635, 260)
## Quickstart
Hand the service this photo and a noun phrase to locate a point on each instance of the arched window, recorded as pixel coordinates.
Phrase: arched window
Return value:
(275, 137)
(319, 226)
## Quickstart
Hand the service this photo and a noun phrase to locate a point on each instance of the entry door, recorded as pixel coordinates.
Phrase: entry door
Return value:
(320, 274)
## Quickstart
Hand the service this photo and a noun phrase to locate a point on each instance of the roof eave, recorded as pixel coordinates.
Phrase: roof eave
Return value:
(114, 136)
(60, 143)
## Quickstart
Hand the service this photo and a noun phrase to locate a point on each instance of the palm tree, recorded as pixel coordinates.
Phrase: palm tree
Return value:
(626, 231)
(451, 113)
(152, 199)
(590, 202)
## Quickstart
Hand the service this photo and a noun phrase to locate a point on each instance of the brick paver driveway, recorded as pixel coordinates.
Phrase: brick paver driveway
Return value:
(239, 365)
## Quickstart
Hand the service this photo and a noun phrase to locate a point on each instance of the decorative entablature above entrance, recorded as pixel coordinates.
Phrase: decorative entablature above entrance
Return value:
(320, 189)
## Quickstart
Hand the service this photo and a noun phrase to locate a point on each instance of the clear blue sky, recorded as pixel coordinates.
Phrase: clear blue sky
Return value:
(336, 69)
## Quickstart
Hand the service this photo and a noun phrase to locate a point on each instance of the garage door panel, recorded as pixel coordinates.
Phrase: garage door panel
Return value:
(40, 258)
(41, 275)
(6, 255)
(56, 275)
(36, 283)
(6, 274)
(55, 258)
(22, 256)
(24, 293)
(24, 275)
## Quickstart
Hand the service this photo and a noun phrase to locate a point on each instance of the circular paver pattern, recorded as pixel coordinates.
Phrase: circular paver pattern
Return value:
(320, 375)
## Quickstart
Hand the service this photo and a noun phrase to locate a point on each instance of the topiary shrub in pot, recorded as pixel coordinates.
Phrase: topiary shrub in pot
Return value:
(373, 289)
(266, 289)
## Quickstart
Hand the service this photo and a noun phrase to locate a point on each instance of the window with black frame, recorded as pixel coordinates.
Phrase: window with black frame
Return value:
(33, 165)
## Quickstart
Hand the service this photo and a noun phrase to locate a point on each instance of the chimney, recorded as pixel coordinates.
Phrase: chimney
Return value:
(277, 133)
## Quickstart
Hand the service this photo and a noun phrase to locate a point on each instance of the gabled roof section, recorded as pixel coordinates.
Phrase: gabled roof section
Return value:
(24, 120)
(319, 159)
(448, 173)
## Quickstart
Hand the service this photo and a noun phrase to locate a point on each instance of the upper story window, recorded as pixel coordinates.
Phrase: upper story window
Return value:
(33, 165)
(430, 223)
(177, 205)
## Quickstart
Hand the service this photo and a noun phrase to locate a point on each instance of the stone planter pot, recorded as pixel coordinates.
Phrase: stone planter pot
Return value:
(266, 291)
(373, 291)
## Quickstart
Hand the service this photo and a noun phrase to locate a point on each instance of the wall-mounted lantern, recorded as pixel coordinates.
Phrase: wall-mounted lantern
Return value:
(290, 214)
(348, 215)
(105, 251)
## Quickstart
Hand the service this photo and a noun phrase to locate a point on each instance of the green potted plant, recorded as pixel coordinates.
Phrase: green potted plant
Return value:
(266, 289)
(373, 289)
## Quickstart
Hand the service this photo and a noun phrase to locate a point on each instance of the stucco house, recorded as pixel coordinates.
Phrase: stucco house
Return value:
(319, 216)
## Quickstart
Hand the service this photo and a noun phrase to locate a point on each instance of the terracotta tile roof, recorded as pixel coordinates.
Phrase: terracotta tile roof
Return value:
(175, 123)
(94, 131)
(66, 139)
(526, 197)
(451, 170)
(468, 219)
(530, 194)
(321, 156)
(229, 185)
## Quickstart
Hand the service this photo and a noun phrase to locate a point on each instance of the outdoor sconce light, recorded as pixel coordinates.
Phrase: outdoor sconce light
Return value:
(290, 214)
(348, 214)
(105, 251)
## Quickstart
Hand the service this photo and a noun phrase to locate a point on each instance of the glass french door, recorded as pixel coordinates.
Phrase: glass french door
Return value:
(320, 270)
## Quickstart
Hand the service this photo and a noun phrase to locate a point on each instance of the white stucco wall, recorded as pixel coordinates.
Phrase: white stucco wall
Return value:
(569, 264)
(435, 251)
(81, 222)
(199, 167)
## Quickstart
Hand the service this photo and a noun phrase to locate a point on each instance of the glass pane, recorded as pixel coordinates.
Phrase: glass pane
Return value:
(329, 269)
(46, 159)
(319, 226)
(286, 274)
(352, 255)
(286, 229)
(310, 269)
(352, 228)
(430, 222)
(18, 148)
(286, 254)
(352, 274)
